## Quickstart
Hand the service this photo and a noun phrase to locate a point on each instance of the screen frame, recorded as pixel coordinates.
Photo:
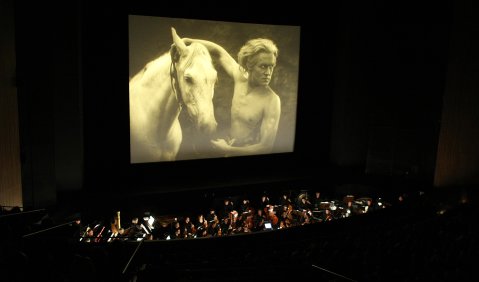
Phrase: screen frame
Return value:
(148, 34)
(107, 147)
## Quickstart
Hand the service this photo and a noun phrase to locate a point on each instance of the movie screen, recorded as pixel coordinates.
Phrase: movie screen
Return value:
(203, 89)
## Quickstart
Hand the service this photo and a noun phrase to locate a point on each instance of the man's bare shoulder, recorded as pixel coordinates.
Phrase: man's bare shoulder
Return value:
(271, 94)
(265, 91)
(271, 100)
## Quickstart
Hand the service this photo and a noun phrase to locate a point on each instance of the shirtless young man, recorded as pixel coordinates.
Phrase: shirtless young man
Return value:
(256, 108)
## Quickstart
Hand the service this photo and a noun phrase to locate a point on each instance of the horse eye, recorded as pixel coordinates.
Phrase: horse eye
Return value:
(188, 79)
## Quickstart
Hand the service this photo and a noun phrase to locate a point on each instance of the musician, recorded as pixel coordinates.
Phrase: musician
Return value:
(90, 235)
(304, 204)
(370, 206)
(248, 221)
(264, 202)
(214, 227)
(317, 200)
(286, 211)
(77, 228)
(245, 206)
(227, 207)
(172, 226)
(226, 226)
(349, 209)
(258, 220)
(315, 217)
(176, 234)
(200, 220)
(203, 231)
(305, 218)
(327, 216)
(285, 200)
(211, 216)
(188, 227)
(273, 218)
(134, 230)
(288, 215)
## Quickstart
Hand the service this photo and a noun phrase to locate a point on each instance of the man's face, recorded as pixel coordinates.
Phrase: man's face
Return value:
(261, 72)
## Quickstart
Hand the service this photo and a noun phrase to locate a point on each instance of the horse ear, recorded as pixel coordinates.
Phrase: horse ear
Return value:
(180, 45)
(175, 56)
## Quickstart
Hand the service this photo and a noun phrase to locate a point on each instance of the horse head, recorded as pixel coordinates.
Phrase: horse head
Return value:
(194, 78)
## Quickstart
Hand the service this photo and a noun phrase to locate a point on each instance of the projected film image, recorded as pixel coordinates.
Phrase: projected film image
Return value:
(208, 89)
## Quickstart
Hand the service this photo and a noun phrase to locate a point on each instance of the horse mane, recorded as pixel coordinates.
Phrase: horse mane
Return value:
(159, 68)
(155, 70)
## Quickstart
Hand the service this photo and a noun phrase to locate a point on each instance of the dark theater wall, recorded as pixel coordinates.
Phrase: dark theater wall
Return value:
(10, 177)
(458, 152)
(390, 74)
(50, 107)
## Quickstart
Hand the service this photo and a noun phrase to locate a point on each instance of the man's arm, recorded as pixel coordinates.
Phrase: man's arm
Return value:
(268, 130)
(227, 62)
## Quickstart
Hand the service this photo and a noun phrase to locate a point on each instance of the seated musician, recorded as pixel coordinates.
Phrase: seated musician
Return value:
(348, 211)
(77, 228)
(264, 202)
(327, 216)
(245, 206)
(226, 226)
(317, 200)
(211, 216)
(188, 227)
(258, 220)
(200, 221)
(89, 235)
(285, 200)
(214, 228)
(304, 204)
(306, 217)
(273, 218)
(227, 208)
(176, 234)
(134, 230)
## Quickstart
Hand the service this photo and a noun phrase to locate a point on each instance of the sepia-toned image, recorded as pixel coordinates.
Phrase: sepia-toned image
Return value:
(210, 89)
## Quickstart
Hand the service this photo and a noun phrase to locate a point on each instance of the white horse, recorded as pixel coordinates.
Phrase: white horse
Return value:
(183, 78)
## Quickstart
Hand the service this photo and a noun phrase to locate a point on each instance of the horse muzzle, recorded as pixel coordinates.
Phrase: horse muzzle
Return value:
(208, 128)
